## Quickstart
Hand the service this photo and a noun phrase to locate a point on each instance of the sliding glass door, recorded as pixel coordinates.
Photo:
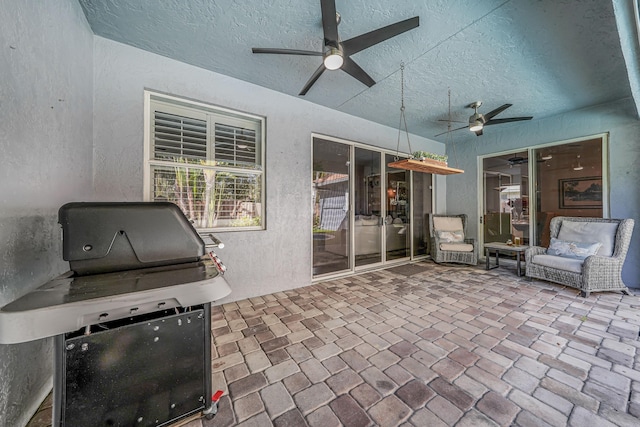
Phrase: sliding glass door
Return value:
(567, 178)
(421, 206)
(368, 207)
(397, 221)
(331, 222)
(506, 198)
(363, 211)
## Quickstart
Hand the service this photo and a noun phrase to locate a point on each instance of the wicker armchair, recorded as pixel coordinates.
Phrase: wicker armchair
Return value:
(597, 272)
(445, 250)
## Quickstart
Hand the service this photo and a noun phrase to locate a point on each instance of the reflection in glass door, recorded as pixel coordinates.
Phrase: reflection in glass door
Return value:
(330, 181)
(569, 181)
(397, 220)
(368, 207)
(506, 198)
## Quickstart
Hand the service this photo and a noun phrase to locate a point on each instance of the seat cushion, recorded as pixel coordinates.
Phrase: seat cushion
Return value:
(567, 264)
(458, 247)
(603, 232)
(447, 223)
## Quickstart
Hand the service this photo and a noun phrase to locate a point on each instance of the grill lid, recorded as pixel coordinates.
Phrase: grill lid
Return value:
(104, 237)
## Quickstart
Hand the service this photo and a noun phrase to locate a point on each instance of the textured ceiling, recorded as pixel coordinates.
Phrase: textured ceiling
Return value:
(544, 56)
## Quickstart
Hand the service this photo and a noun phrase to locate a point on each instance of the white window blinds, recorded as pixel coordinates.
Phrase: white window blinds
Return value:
(209, 162)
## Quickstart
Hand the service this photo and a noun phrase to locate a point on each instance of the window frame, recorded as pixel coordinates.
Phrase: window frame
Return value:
(197, 109)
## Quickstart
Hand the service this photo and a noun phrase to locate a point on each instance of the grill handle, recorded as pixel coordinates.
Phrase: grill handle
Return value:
(215, 242)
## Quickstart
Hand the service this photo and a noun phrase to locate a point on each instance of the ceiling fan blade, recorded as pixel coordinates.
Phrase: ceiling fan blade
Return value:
(285, 51)
(354, 70)
(366, 40)
(452, 130)
(329, 22)
(452, 121)
(508, 120)
(495, 112)
(316, 75)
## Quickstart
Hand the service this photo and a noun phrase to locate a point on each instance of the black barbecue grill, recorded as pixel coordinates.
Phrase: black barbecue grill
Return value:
(131, 320)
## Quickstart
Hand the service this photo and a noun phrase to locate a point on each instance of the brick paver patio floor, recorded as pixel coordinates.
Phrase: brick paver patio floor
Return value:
(428, 345)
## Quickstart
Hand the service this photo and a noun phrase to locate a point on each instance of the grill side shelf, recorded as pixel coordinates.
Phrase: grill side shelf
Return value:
(66, 303)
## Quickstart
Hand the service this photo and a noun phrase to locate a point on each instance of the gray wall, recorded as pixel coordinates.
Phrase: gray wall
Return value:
(46, 161)
(618, 119)
(259, 262)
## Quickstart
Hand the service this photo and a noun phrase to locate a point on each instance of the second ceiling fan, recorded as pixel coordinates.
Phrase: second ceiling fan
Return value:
(478, 121)
(336, 53)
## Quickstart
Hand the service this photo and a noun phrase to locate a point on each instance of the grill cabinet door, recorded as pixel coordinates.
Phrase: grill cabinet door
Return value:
(149, 373)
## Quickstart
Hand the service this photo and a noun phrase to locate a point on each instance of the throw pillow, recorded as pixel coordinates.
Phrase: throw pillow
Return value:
(456, 236)
(574, 250)
(603, 232)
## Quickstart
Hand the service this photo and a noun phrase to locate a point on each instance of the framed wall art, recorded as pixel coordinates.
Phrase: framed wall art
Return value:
(581, 193)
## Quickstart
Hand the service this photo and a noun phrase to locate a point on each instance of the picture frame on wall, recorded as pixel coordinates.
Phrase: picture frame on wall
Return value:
(581, 193)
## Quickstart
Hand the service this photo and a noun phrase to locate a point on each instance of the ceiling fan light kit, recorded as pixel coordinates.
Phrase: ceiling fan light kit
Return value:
(476, 125)
(579, 167)
(333, 59)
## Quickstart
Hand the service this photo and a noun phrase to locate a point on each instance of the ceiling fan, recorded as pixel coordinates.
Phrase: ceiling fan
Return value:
(478, 121)
(336, 53)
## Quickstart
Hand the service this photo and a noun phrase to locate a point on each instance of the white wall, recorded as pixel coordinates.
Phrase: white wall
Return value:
(618, 119)
(259, 262)
(46, 146)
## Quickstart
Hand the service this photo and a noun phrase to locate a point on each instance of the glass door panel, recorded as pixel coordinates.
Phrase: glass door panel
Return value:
(421, 203)
(397, 219)
(330, 188)
(506, 198)
(368, 207)
(568, 182)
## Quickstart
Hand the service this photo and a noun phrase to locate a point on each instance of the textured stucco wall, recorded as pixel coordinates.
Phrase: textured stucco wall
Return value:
(617, 118)
(45, 141)
(259, 262)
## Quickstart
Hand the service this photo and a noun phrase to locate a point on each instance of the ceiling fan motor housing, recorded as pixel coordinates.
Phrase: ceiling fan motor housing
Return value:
(476, 117)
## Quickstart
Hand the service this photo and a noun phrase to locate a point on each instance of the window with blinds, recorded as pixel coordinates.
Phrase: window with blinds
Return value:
(206, 160)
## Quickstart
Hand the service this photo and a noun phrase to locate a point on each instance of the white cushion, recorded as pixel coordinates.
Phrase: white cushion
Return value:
(603, 232)
(575, 250)
(455, 236)
(567, 264)
(367, 222)
(458, 247)
(447, 223)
